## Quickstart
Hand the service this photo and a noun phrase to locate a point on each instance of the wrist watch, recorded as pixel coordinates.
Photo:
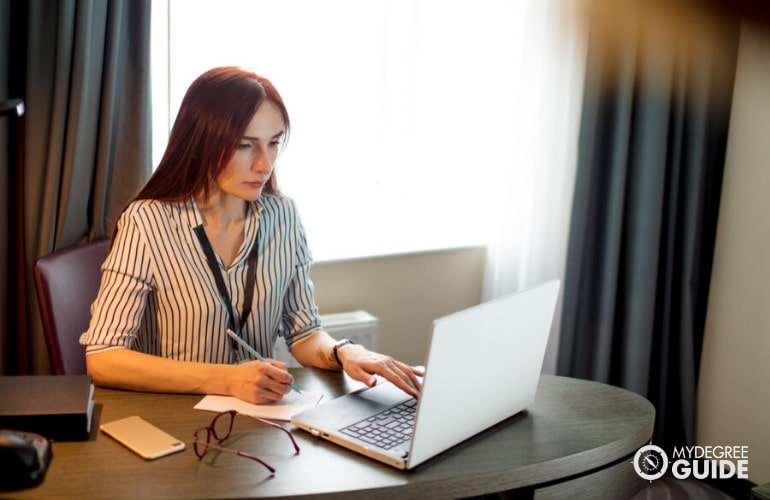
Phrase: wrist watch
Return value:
(339, 344)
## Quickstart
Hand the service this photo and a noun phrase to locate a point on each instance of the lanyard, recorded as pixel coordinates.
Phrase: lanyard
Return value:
(234, 322)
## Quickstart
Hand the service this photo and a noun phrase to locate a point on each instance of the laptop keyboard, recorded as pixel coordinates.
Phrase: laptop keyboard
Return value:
(386, 429)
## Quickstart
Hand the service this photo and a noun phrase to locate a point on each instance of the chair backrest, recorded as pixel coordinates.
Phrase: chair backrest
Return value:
(67, 282)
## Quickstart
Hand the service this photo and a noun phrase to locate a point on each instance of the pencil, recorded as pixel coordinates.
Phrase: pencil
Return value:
(254, 353)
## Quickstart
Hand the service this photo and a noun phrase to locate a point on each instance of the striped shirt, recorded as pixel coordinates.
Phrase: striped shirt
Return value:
(158, 293)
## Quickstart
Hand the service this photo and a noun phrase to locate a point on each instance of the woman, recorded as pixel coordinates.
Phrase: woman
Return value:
(210, 244)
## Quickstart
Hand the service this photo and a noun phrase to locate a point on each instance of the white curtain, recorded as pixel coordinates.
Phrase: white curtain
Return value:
(529, 240)
(412, 119)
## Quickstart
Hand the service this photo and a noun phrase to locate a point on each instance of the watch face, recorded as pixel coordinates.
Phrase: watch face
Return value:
(650, 462)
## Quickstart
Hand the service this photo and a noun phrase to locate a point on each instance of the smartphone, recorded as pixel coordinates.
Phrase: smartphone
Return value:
(142, 437)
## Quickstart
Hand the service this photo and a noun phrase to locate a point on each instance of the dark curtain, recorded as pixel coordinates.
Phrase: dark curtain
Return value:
(651, 154)
(82, 69)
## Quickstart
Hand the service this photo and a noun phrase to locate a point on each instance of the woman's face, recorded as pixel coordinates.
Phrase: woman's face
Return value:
(252, 164)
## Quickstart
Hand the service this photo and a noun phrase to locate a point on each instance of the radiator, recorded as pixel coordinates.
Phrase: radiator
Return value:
(358, 326)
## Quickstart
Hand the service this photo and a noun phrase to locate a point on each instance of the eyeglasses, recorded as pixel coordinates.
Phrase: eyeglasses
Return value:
(220, 429)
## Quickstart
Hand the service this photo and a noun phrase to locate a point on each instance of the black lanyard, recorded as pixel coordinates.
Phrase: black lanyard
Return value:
(235, 323)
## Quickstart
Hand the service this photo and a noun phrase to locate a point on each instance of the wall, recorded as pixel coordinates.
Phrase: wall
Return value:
(734, 399)
(406, 292)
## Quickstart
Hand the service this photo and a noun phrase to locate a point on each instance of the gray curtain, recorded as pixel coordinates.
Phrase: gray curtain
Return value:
(82, 69)
(651, 153)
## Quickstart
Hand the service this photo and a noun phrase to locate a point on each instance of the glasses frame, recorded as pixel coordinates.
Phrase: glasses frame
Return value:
(210, 431)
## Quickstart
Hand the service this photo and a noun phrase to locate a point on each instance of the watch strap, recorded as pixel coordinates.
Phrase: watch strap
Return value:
(339, 344)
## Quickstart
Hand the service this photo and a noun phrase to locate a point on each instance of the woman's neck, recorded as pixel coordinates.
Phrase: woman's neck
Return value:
(224, 221)
(221, 211)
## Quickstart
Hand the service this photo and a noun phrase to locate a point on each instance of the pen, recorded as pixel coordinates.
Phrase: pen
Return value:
(254, 352)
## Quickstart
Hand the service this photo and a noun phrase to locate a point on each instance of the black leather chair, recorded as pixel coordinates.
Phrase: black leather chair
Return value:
(67, 282)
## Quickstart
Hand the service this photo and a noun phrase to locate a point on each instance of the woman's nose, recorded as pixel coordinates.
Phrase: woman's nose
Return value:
(263, 162)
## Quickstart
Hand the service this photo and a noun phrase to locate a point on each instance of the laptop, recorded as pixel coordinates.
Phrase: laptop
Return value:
(483, 366)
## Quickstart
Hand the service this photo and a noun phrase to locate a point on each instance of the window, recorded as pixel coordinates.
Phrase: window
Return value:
(406, 115)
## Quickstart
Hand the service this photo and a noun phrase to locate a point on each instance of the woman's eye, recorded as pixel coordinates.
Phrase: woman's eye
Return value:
(275, 143)
(244, 145)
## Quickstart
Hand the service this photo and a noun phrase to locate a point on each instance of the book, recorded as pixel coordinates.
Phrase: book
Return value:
(58, 407)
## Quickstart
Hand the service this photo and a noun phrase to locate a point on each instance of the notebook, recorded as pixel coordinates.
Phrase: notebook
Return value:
(483, 366)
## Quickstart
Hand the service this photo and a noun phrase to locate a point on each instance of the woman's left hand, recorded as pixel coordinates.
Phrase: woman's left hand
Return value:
(363, 364)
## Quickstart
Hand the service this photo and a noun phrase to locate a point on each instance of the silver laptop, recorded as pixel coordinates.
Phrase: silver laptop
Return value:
(483, 366)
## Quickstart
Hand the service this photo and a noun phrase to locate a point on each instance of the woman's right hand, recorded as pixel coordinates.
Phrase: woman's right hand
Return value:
(260, 382)
(255, 381)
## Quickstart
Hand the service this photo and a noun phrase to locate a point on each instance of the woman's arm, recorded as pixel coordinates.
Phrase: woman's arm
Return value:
(255, 382)
(317, 349)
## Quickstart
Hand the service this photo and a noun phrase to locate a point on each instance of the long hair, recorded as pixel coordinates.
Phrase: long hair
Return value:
(213, 115)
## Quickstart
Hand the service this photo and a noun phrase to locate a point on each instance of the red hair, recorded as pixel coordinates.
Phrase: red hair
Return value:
(214, 113)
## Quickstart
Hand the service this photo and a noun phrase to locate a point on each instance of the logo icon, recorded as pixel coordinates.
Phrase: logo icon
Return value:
(650, 462)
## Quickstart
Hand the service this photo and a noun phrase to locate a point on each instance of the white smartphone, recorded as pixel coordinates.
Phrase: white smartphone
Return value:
(143, 438)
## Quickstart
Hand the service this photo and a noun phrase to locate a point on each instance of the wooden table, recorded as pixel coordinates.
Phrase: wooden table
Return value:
(578, 435)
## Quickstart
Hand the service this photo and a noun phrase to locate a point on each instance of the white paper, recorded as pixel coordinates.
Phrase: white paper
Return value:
(291, 404)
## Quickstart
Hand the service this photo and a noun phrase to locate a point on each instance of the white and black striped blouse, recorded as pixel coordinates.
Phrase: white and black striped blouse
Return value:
(158, 294)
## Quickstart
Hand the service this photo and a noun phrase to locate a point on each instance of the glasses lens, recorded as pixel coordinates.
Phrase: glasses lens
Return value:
(222, 425)
(201, 439)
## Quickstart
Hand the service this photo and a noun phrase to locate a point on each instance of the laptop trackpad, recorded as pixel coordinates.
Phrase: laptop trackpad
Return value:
(353, 407)
(368, 401)
(383, 393)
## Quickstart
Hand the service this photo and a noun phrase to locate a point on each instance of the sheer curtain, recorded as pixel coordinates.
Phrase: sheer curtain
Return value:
(411, 119)
(528, 241)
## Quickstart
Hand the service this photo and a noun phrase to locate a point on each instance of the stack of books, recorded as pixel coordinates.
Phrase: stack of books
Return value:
(58, 407)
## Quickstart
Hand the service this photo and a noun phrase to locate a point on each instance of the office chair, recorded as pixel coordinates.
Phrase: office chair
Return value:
(67, 282)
